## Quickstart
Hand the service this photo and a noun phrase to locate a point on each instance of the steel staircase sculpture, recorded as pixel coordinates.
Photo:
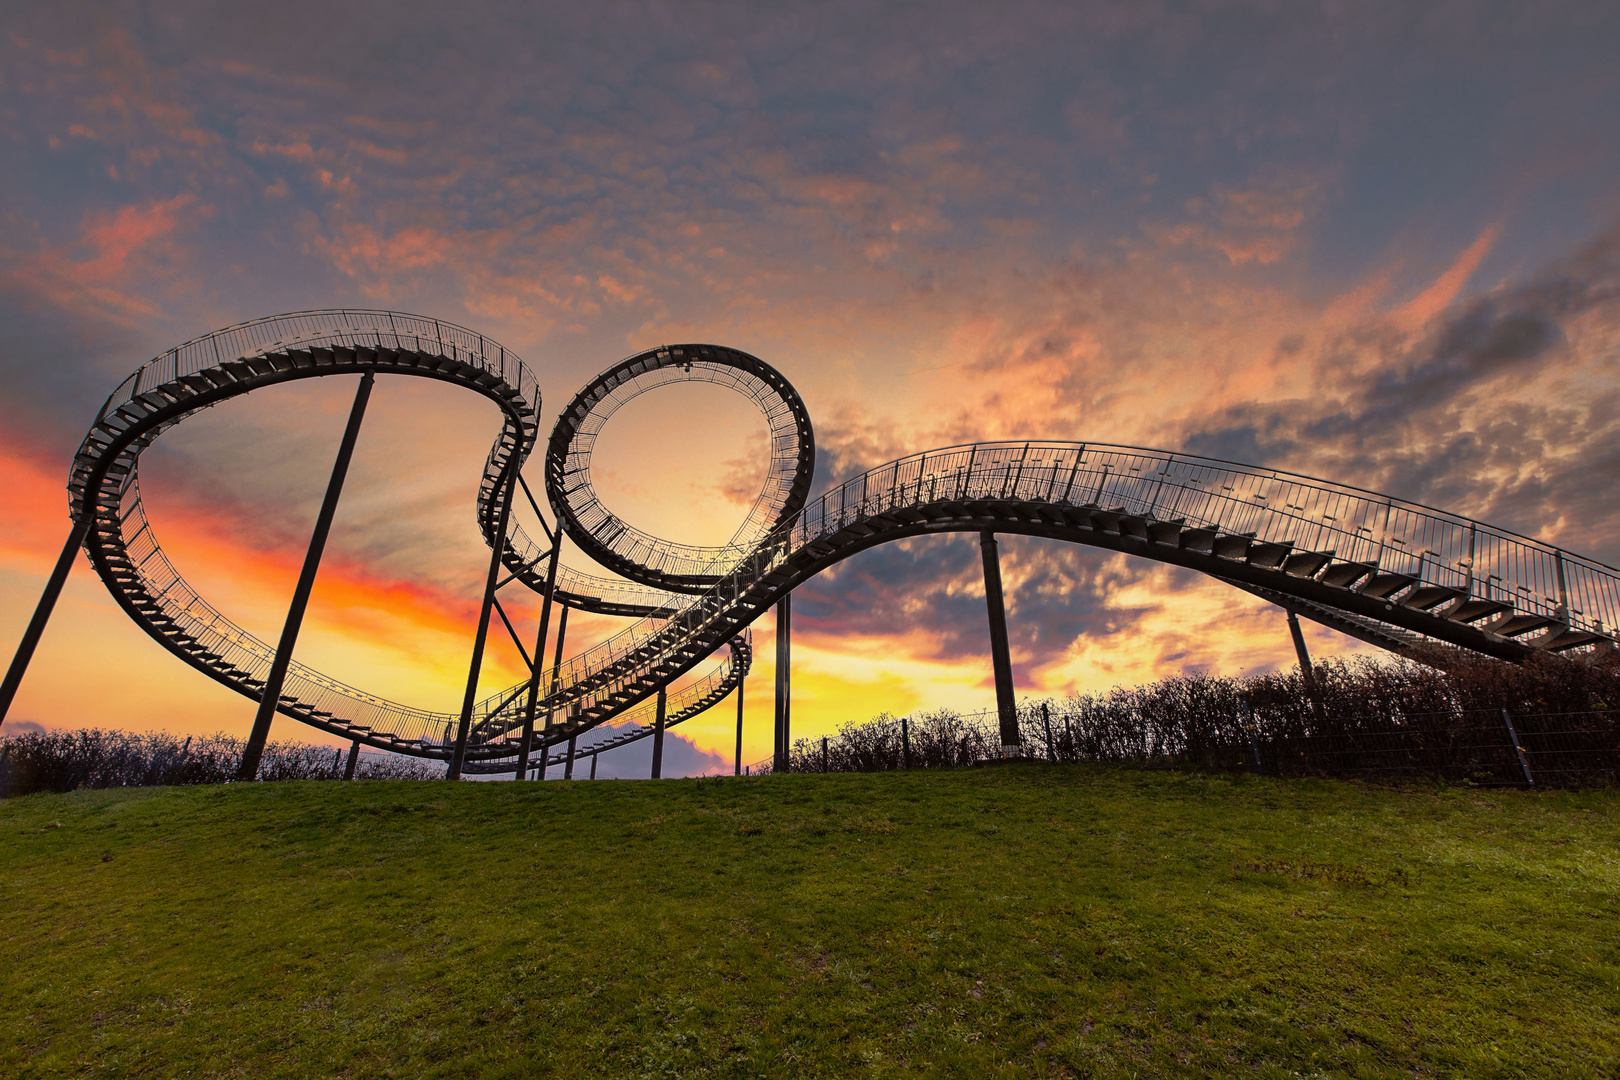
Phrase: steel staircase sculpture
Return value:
(1391, 572)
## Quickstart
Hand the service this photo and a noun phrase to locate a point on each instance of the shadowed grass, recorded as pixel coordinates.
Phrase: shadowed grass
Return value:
(1019, 921)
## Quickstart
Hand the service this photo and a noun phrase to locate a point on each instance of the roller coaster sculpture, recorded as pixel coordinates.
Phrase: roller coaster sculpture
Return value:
(1390, 572)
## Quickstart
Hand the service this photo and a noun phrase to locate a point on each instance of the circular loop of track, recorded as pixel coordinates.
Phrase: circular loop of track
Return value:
(648, 559)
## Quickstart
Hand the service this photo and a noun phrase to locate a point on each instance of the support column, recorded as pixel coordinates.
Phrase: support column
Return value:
(354, 756)
(736, 768)
(593, 765)
(270, 697)
(537, 672)
(477, 663)
(568, 766)
(1307, 673)
(1000, 656)
(42, 611)
(784, 683)
(556, 676)
(658, 738)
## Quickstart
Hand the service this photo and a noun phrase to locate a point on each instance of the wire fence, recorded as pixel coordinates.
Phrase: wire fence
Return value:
(1547, 723)
(1493, 747)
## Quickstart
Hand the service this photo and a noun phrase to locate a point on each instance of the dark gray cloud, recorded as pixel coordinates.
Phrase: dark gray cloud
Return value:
(1492, 413)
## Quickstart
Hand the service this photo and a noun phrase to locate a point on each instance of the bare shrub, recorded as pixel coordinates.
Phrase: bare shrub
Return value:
(1365, 715)
(95, 758)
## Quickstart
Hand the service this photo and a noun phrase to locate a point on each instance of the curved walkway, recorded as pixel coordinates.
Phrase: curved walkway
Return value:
(1391, 572)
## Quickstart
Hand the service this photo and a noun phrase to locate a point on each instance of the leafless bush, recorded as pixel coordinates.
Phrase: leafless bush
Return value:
(1354, 716)
(94, 758)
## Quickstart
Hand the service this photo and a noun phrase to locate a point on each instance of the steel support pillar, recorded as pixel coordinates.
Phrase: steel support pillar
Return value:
(1307, 673)
(556, 676)
(1000, 655)
(736, 768)
(42, 611)
(354, 756)
(538, 670)
(784, 684)
(270, 697)
(568, 766)
(593, 765)
(658, 738)
(479, 639)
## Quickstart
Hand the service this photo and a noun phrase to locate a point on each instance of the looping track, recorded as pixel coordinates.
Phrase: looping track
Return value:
(1391, 572)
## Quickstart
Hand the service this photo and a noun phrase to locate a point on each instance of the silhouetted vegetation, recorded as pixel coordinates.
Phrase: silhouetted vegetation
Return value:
(1357, 716)
(93, 758)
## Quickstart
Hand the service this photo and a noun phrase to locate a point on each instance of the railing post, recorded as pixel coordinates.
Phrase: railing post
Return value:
(42, 611)
(1524, 758)
(784, 683)
(482, 635)
(1000, 658)
(658, 738)
(354, 756)
(270, 696)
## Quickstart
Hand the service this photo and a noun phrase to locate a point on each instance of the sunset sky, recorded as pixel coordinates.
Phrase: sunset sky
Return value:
(1377, 243)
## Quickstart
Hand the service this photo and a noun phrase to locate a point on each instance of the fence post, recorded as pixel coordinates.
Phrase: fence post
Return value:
(905, 742)
(337, 756)
(1046, 720)
(1068, 729)
(824, 753)
(1254, 738)
(1524, 759)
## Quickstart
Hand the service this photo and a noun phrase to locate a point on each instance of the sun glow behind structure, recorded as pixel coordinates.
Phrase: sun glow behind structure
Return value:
(1356, 245)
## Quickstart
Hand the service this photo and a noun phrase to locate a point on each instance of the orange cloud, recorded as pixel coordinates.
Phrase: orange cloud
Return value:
(107, 260)
(1437, 297)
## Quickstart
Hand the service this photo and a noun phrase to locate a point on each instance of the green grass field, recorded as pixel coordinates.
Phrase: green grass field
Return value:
(1019, 921)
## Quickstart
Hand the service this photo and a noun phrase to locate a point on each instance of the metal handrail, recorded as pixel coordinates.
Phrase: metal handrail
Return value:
(1425, 547)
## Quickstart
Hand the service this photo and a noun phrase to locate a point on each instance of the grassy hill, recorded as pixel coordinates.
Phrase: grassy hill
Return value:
(1020, 921)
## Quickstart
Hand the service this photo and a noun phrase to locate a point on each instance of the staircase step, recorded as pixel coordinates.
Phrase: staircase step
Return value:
(1269, 556)
(1199, 539)
(1384, 586)
(1166, 532)
(1306, 564)
(1564, 638)
(1517, 625)
(1232, 546)
(1344, 575)
(1429, 597)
